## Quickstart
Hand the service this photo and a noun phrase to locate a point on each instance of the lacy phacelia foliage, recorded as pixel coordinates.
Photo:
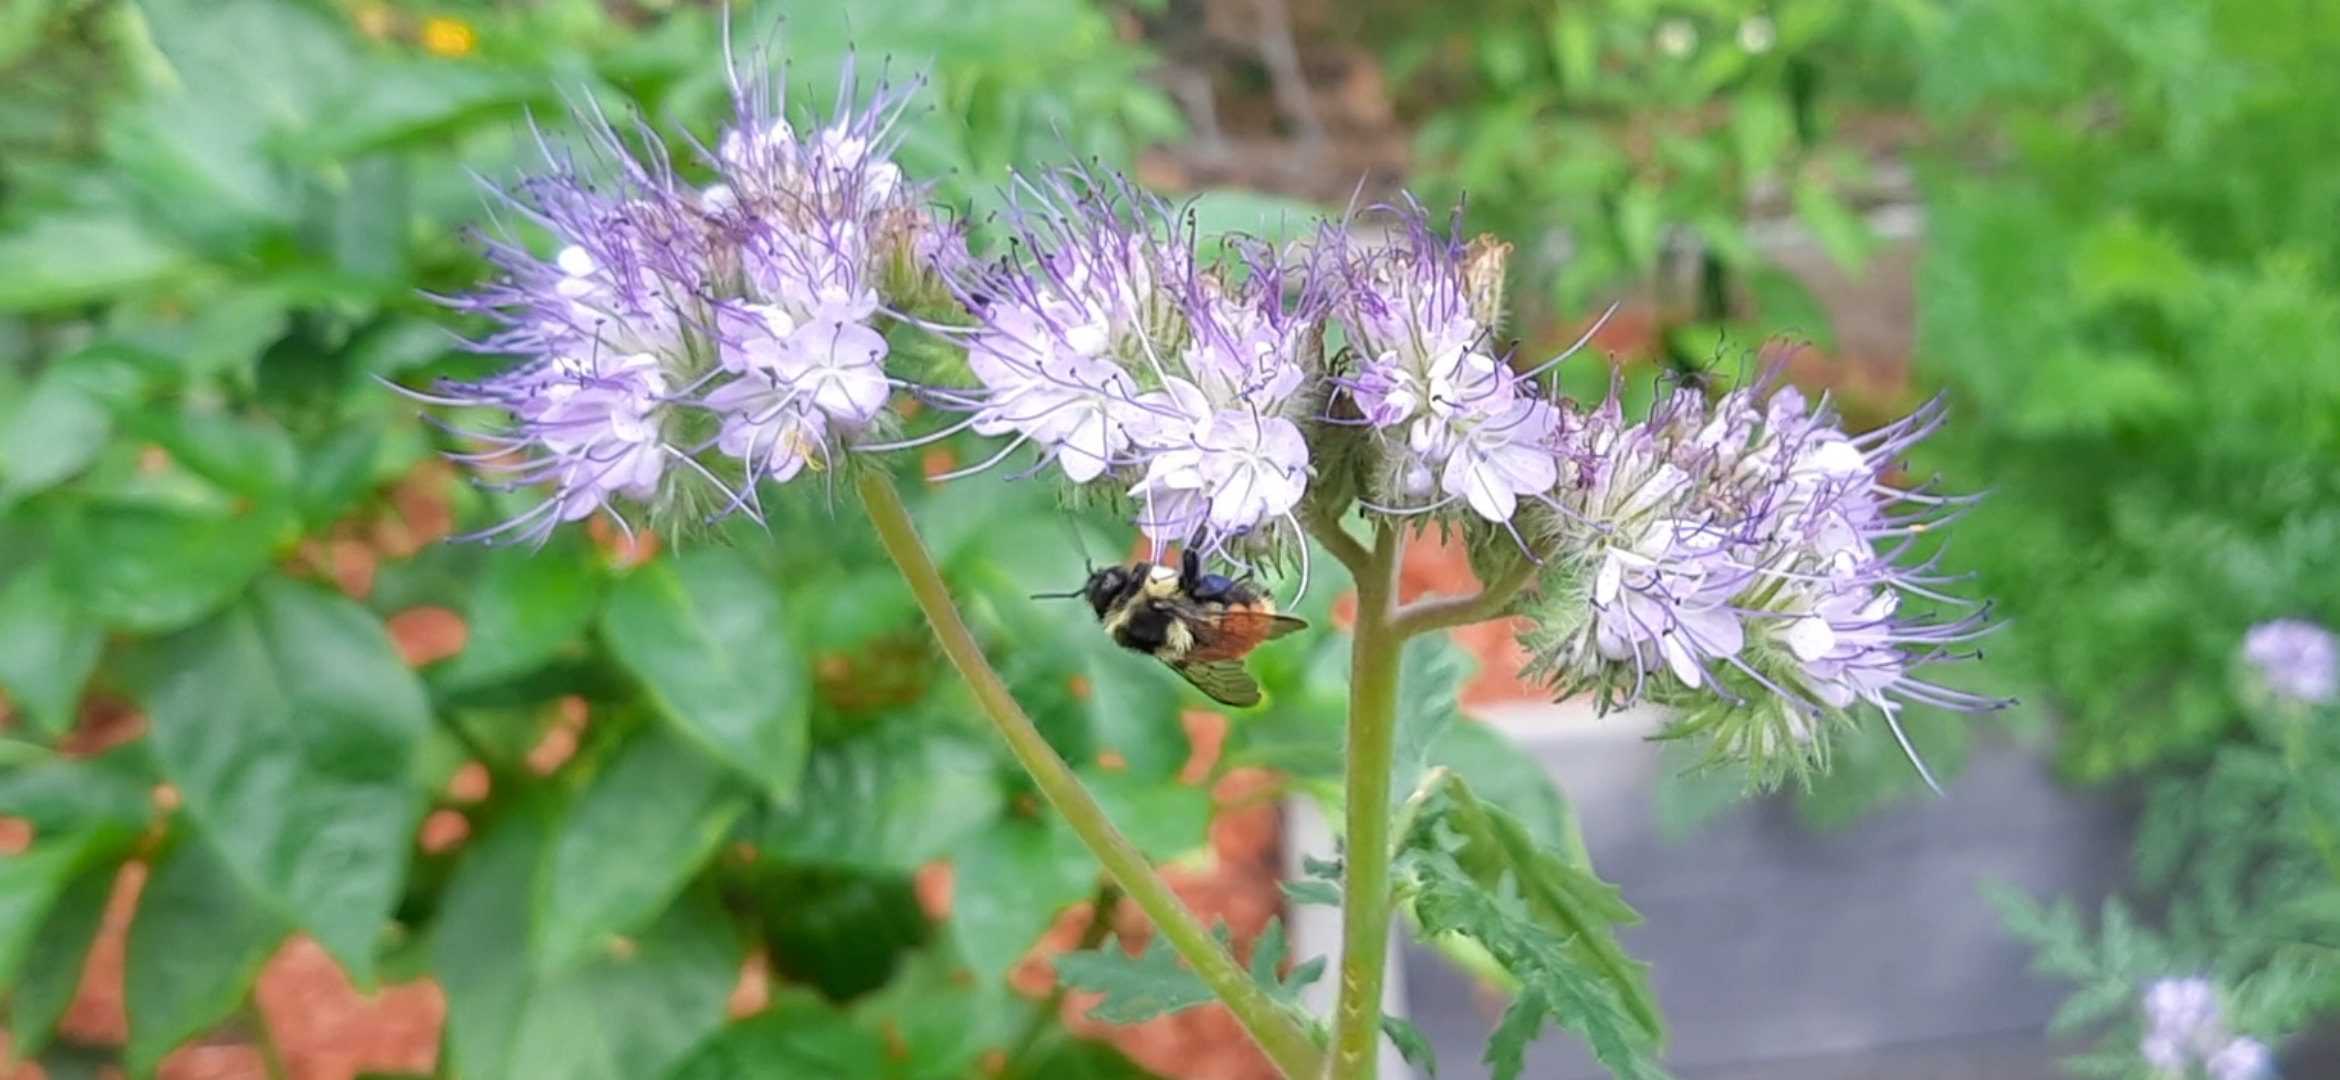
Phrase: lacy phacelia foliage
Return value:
(1741, 557)
(683, 343)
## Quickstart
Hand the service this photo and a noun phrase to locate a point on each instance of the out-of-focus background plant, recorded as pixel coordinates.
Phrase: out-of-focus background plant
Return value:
(237, 659)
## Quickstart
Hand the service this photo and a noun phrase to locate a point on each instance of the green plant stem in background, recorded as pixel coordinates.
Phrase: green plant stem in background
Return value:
(1276, 1032)
(1365, 890)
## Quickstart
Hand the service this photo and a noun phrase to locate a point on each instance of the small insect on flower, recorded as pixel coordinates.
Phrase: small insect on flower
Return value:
(1202, 625)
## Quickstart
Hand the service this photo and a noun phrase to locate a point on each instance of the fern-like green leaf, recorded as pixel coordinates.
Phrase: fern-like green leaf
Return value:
(1156, 983)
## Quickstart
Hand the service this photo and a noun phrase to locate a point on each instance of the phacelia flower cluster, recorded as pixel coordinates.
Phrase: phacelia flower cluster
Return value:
(1186, 387)
(1457, 422)
(1745, 559)
(683, 343)
(2185, 1028)
(2297, 661)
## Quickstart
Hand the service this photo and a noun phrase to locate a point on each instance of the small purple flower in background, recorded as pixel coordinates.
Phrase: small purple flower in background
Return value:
(2297, 660)
(1741, 558)
(2185, 1025)
(1458, 424)
(683, 344)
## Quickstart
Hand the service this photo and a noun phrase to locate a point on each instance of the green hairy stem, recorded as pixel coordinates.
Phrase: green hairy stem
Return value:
(1277, 1032)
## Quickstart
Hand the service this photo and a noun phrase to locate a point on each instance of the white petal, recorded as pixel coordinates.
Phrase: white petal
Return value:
(1811, 638)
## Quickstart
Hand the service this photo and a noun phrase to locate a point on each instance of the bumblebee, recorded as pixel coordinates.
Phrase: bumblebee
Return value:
(1201, 625)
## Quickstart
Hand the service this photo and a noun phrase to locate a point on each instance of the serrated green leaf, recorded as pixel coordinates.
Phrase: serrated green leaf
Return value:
(50, 977)
(1137, 988)
(1411, 1043)
(1547, 921)
(195, 948)
(1555, 984)
(618, 1017)
(705, 635)
(1155, 982)
(642, 827)
(1008, 884)
(294, 733)
(48, 648)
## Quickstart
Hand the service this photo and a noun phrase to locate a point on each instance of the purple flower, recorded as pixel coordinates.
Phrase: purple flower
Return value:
(2297, 660)
(682, 345)
(1446, 408)
(1744, 560)
(2243, 1059)
(1116, 353)
(2185, 1025)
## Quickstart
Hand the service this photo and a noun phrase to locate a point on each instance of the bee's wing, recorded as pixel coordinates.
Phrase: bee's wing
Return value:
(1224, 633)
(1224, 680)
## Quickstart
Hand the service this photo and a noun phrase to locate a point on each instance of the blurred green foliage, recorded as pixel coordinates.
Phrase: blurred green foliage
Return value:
(2130, 289)
(1623, 143)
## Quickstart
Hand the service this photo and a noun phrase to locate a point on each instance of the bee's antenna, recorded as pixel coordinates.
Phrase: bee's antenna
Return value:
(1073, 595)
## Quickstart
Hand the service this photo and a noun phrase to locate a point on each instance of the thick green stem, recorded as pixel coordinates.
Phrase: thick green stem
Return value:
(1365, 884)
(1286, 1043)
(1448, 612)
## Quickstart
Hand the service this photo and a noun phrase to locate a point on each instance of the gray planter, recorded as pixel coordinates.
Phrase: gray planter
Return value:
(1779, 953)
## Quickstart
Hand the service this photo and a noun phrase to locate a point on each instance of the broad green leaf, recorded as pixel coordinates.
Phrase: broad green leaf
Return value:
(153, 569)
(398, 103)
(1761, 128)
(705, 635)
(195, 948)
(1841, 232)
(248, 455)
(293, 732)
(51, 973)
(1431, 672)
(48, 647)
(1008, 884)
(938, 1021)
(110, 791)
(626, 1014)
(338, 471)
(30, 883)
(640, 830)
(56, 431)
(799, 1037)
(891, 799)
(526, 607)
(1155, 982)
(56, 261)
(1062, 1055)
(839, 931)
(1164, 818)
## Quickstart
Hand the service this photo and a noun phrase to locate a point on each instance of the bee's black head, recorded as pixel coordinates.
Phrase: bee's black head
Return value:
(1107, 586)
